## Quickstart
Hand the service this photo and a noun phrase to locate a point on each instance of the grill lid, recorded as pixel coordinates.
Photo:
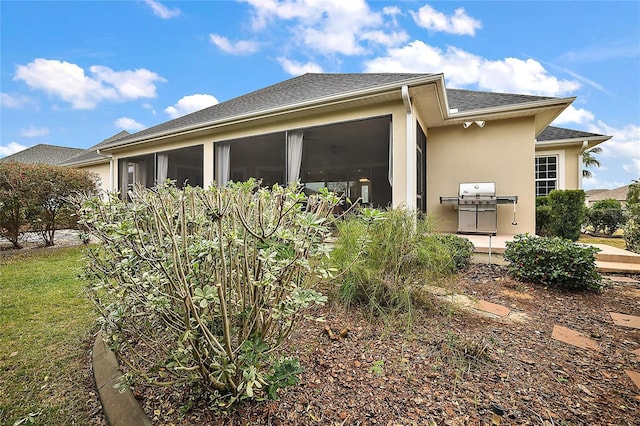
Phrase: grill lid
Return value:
(477, 190)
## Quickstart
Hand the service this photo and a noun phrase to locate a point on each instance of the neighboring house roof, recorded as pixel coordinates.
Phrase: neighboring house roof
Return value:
(90, 156)
(43, 154)
(619, 194)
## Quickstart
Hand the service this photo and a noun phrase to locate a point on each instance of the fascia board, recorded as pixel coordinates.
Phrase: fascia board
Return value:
(238, 119)
(573, 141)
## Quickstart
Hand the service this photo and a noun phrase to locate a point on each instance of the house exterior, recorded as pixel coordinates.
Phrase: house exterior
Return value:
(400, 140)
(43, 154)
(618, 194)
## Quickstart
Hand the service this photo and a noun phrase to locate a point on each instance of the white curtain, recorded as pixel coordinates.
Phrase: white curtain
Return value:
(391, 153)
(223, 163)
(124, 177)
(294, 154)
(162, 168)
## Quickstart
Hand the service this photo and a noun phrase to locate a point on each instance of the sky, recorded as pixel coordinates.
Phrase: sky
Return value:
(75, 73)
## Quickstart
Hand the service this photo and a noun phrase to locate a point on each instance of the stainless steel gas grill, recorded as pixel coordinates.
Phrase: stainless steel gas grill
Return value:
(477, 205)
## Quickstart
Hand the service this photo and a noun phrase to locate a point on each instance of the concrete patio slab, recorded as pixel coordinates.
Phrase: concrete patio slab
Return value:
(574, 338)
(621, 279)
(635, 377)
(493, 308)
(625, 320)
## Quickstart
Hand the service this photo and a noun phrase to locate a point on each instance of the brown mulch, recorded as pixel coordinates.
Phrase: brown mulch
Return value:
(452, 365)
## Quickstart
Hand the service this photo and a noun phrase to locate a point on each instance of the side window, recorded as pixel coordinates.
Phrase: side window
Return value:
(546, 174)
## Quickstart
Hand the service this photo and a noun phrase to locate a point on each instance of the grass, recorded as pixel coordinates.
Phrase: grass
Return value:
(614, 242)
(46, 324)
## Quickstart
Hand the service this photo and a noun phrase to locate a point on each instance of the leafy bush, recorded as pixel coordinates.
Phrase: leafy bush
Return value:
(387, 256)
(567, 213)
(605, 216)
(36, 197)
(553, 261)
(543, 216)
(208, 282)
(632, 215)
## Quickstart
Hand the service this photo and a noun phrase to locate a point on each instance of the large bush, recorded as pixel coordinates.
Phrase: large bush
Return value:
(201, 286)
(605, 216)
(543, 216)
(567, 213)
(35, 197)
(632, 217)
(553, 261)
(385, 257)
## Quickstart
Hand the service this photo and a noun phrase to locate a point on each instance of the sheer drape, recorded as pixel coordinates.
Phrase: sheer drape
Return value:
(124, 177)
(162, 168)
(391, 153)
(223, 163)
(294, 154)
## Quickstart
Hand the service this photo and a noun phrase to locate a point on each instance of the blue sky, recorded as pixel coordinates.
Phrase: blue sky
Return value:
(74, 73)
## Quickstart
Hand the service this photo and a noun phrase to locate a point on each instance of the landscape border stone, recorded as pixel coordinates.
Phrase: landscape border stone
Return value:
(120, 408)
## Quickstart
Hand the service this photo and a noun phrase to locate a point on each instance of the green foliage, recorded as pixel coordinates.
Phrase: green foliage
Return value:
(387, 256)
(35, 197)
(209, 281)
(543, 216)
(632, 216)
(567, 213)
(605, 216)
(553, 261)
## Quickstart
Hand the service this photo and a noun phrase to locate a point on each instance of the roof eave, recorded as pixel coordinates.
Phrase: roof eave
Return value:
(334, 99)
(593, 141)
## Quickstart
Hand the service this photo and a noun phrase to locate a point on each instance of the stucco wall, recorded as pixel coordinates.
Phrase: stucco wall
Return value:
(102, 170)
(501, 152)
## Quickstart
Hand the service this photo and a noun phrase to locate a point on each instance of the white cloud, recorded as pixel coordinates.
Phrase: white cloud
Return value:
(11, 148)
(34, 132)
(189, 104)
(70, 83)
(241, 47)
(296, 68)
(15, 101)
(459, 23)
(574, 115)
(462, 68)
(130, 124)
(330, 26)
(161, 10)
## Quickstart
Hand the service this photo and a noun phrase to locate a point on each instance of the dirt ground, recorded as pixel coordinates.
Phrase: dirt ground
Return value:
(454, 364)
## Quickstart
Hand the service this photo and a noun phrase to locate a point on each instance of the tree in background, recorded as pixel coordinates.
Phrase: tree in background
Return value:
(605, 216)
(35, 197)
(589, 160)
(632, 213)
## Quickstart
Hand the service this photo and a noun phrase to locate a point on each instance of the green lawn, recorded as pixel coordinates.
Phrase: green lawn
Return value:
(614, 242)
(46, 324)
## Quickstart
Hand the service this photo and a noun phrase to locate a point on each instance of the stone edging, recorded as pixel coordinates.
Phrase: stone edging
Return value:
(119, 408)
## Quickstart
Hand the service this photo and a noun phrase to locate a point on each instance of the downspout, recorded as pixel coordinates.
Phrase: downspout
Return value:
(585, 145)
(410, 172)
(110, 157)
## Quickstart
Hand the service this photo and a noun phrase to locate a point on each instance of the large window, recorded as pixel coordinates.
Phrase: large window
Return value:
(547, 169)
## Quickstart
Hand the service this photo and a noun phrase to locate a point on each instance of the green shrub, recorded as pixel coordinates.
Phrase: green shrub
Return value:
(553, 261)
(35, 197)
(543, 216)
(387, 256)
(632, 228)
(567, 213)
(605, 216)
(209, 282)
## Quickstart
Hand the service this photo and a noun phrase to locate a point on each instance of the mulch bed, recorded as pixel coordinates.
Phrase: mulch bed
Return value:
(452, 365)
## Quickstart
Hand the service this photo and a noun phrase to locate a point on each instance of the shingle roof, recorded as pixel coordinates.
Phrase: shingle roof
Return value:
(552, 133)
(470, 100)
(307, 87)
(43, 153)
(91, 154)
(619, 194)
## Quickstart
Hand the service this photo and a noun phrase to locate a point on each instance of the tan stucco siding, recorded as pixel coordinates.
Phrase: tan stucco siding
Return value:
(102, 170)
(501, 152)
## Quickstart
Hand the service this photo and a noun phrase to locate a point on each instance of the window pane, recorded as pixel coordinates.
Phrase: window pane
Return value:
(261, 157)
